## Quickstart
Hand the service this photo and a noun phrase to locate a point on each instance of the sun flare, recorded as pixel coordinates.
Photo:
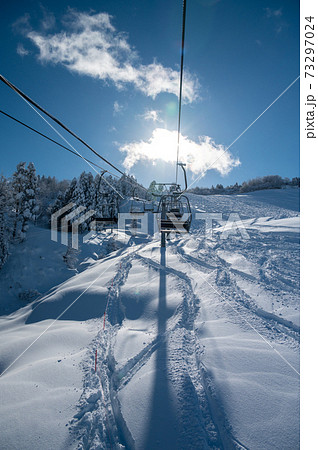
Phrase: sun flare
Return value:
(162, 146)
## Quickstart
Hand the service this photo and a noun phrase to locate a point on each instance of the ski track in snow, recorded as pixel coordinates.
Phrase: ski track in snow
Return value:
(229, 289)
(201, 425)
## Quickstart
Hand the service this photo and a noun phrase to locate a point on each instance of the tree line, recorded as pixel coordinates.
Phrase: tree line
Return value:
(255, 184)
(29, 198)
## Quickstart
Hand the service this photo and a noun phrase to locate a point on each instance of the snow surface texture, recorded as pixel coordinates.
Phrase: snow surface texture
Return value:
(201, 341)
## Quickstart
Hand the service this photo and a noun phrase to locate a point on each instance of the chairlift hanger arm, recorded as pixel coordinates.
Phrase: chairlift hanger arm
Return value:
(182, 165)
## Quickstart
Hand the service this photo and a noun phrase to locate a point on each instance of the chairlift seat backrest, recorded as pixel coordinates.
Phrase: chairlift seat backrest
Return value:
(178, 206)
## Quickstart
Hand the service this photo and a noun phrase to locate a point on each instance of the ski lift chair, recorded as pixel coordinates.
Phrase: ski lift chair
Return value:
(177, 205)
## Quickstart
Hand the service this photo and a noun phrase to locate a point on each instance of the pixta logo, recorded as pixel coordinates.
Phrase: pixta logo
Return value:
(69, 218)
(66, 222)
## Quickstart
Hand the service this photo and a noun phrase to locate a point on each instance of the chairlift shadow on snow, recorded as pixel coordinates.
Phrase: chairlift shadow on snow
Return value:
(162, 425)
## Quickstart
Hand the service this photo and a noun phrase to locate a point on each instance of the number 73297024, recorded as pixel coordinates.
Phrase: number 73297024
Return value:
(309, 47)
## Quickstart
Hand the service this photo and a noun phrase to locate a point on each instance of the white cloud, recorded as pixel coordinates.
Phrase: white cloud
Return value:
(152, 115)
(21, 50)
(198, 156)
(48, 21)
(275, 15)
(117, 108)
(22, 24)
(273, 12)
(92, 46)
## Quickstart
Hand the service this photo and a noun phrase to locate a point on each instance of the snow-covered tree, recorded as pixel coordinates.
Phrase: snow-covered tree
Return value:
(50, 191)
(100, 194)
(30, 207)
(266, 182)
(84, 193)
(19, 180)
(4, 232)
(105, 197)
(23, 200)
(154, 190)
(63, 198)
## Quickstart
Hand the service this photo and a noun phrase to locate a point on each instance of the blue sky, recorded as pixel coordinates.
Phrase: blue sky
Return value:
(109, 71)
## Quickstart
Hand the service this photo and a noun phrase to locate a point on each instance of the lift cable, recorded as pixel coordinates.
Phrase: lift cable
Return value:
(181, 78)
(31, 102)
(112, 187)
(28, 99)
(71, 151)
(55, 142)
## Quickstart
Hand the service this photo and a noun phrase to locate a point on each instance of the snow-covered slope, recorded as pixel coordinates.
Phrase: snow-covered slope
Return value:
(198, 348)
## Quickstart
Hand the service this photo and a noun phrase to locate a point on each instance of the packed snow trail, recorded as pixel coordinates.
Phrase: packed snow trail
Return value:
(200, 347)
(105, 427)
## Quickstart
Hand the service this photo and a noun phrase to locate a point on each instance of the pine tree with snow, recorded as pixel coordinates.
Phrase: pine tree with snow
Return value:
(50, 191)
(18, 198)
(106, 197)
(69, 194)
(59, 202)
(30, 208)
(24, 205)
(155, 190)
(84, 194)
(63, 198)
(4, 232)
(152, 188)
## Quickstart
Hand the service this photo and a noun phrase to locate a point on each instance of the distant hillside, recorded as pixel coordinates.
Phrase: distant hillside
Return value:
(255, 184)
